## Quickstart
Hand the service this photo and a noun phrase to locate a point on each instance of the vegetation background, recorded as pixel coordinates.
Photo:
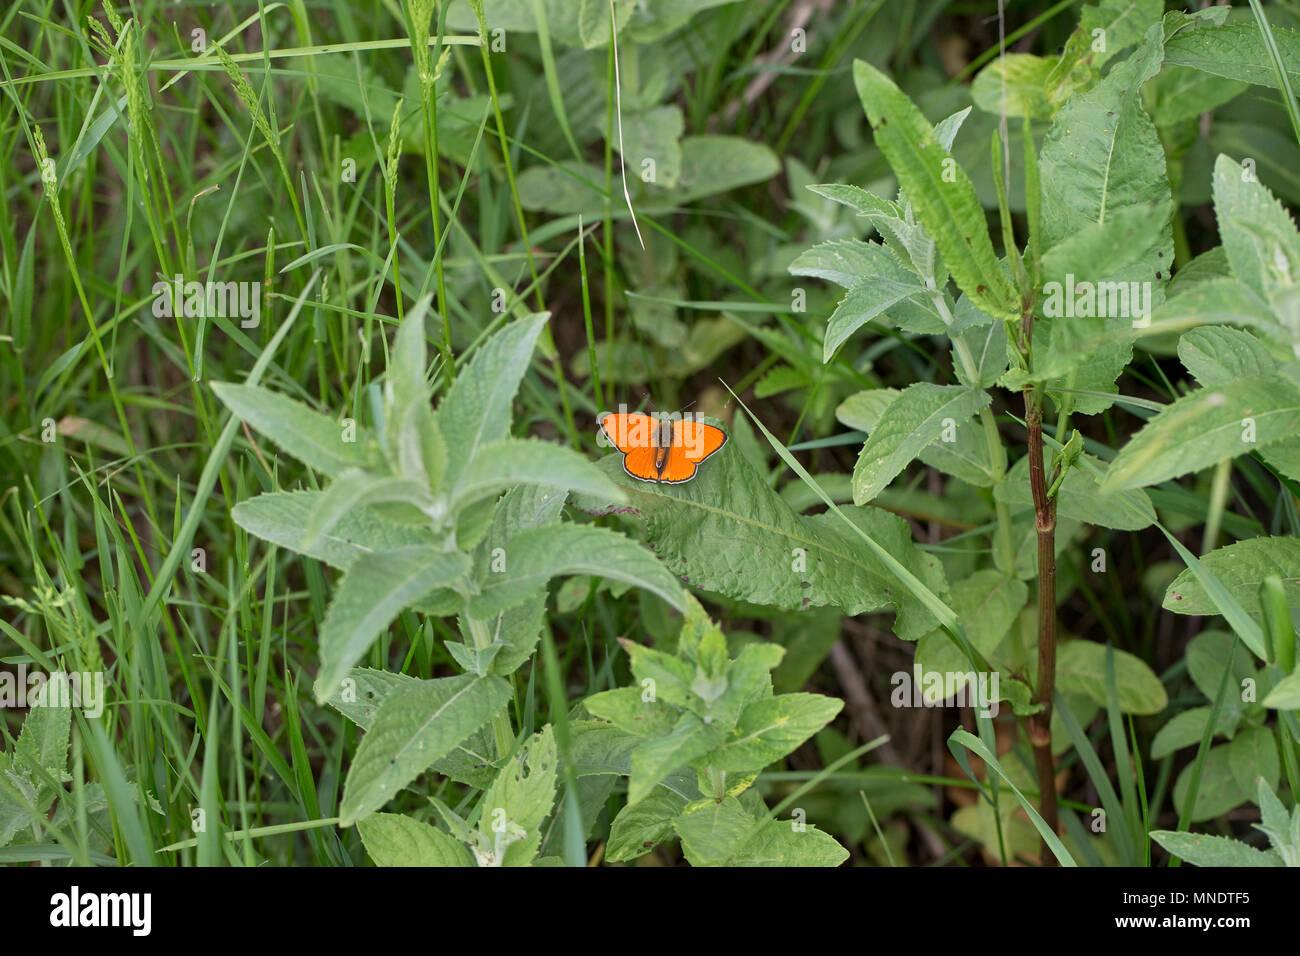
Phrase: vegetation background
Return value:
(358, 158)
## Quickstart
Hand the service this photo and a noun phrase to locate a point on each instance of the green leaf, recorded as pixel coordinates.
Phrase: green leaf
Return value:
(303, 433)
(1103, 154)
(1235, 51)
(395, 840)
(912, 421)
(1218, 791)
(535, 556)
(417, 725)
(1015, 84)
(1240, 567)
(1188, 728)
(1202, 849)
(361, 699)
(1251, 755)
(476, 409)
(717, 164)
(940, 192)
(1259, 237)
(987, 603)
(640, 827)
(1200, 429)
(519, 799)
(1218, 356)
(629, 710)
(653, 134)
(653, 760)
(726, 834)
(354, 489)
(1081, 668)
(1285, 695)
(501, 465)
(282, 518)
(728, 531)
(769, 729)
(374, 590)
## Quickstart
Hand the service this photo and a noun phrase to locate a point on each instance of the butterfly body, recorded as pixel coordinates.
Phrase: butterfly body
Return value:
(664, 451)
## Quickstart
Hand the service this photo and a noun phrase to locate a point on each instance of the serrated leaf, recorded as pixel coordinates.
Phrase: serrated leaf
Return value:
(417, 725)
(1217, 356)
(911, 422)
(727, 835)
(504, 464)
(373, 591)
(1200, 429)
(728, 531)
(395, 840)
(1240, 567)
(640, 827)
(476, 409)
(769, 729)
(941, 193)
(653, 760)
(535, 556)
(520, 798)
(1203, 849)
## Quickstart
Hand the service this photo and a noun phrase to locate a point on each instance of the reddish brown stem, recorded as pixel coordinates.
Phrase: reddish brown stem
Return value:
(1040, 724)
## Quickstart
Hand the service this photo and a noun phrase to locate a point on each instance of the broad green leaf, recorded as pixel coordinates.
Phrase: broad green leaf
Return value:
(1080, 497)
(282, 518)
(846, 262)
(940, 192)
(354, 489)
(1102, 153)
(1251, 755)
(1081, 668)
(1218, 791)
(965, 457)
(728, 531)
(640, 827)
(634, 710)
(717, 164)
(1198, 430)
(476, 409)
(769, 729)
(1285, 695)
(1203, 849)
(395, 840)
(1218, 356)
(519, 801)
(655, 135)
(1014, 84)
(912, 421)
(501, 465)
(1240, 567)
(1188, 727)
(1236, 51)
(417, 725)
(534, 557)
(653, 760)
(305, 434)
(987, 603)
(727, 834)
(373, 591)
(361, 694)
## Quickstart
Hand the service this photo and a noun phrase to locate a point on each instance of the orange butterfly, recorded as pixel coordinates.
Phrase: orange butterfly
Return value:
(661, 450)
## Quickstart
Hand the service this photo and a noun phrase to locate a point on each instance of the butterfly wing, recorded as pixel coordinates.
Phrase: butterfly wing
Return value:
(628, 431)
(693, 442)
(633, 433)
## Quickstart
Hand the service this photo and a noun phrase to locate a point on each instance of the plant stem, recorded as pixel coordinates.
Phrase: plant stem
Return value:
(501, 729)
(1040, 724)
